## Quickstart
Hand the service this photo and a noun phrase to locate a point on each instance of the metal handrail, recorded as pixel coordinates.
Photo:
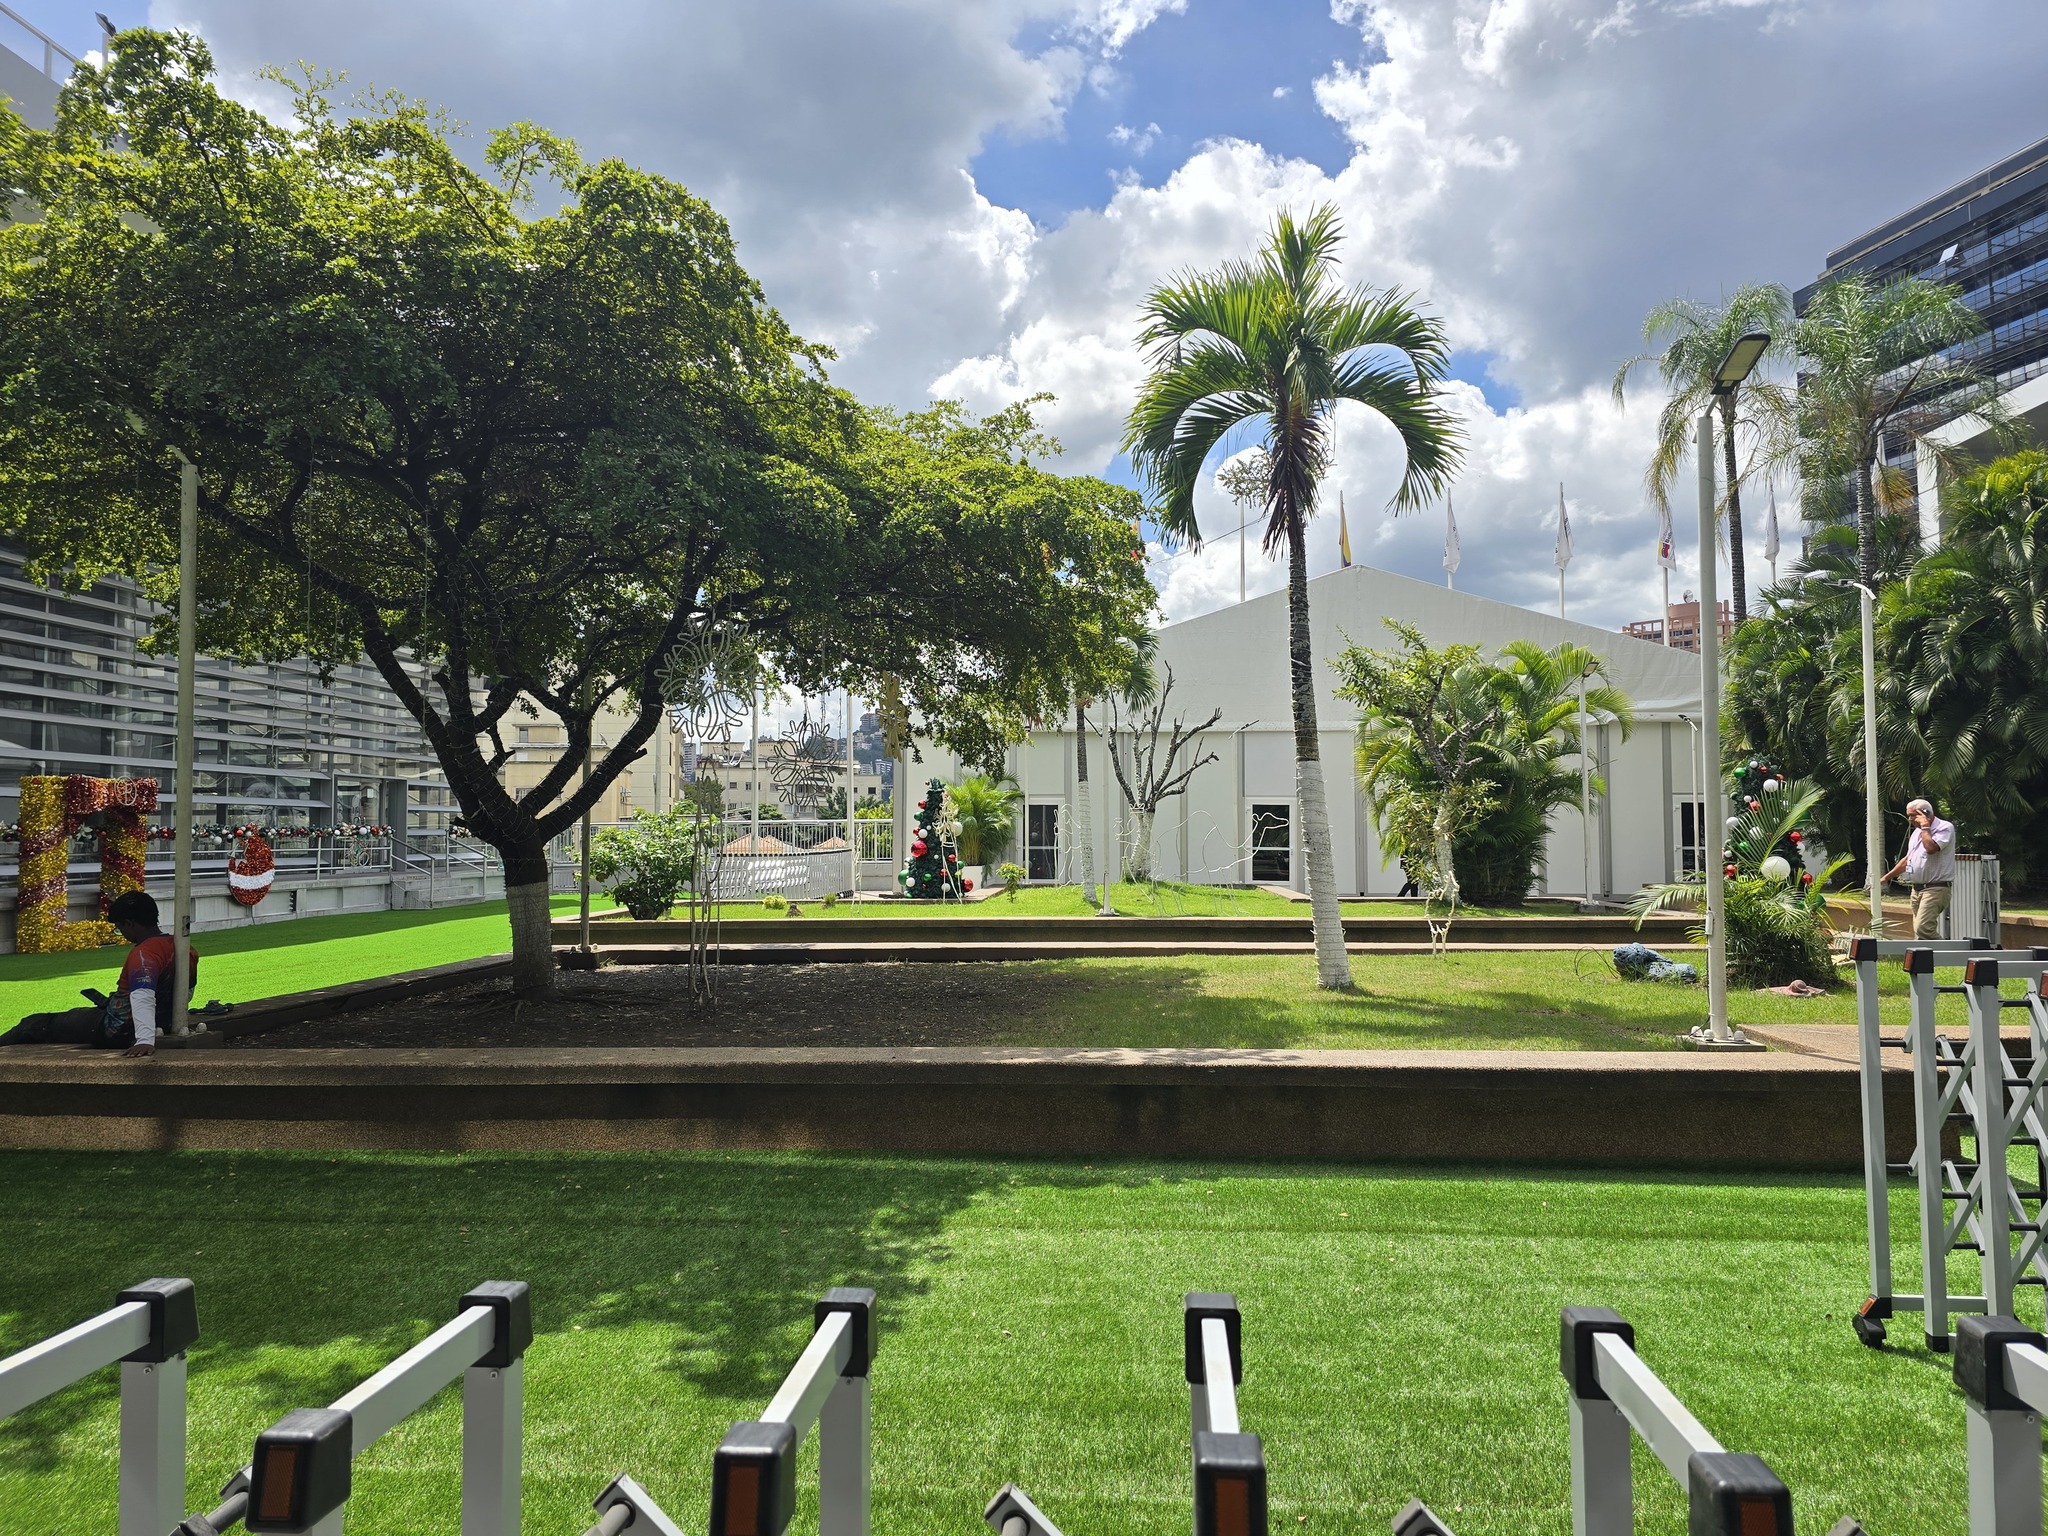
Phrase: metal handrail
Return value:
(52, 49)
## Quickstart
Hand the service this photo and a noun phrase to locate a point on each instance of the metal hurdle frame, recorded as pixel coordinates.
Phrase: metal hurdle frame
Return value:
(1932, 1102)
(1729, 1493)
(147, 1331)
(1010, 1513)
(626, 1506)
(299, 1477)
(753, 1471)
(1230, 1466)
(2002, 1367)
(2007, 1103)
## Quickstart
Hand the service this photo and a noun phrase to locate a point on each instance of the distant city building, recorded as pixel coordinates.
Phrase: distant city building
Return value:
(1680, 626)
(745, 779)
(1988, 235)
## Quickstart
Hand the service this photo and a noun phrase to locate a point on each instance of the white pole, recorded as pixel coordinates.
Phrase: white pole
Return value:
(1667, 607)
(1873, 812)
(188, 799)
(1585, 801)
(1714, 799)
(1240, 558)
(583, 867)
(1560, 592)
(754, 778)
(852, 842)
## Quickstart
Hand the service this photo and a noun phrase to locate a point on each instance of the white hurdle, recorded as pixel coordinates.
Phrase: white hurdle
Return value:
(1011, 1513)
(1230, 1466)
(1728, 1493)
(753, 1472)
(147, 1331)
(2002, 1367)
(299, 1476)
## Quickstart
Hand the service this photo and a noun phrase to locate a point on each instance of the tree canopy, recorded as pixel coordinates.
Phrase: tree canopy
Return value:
(507, 455)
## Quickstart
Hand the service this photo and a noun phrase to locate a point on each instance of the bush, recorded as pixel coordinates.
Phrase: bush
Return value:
(774, 901)
(1012, 876)
(648, 865)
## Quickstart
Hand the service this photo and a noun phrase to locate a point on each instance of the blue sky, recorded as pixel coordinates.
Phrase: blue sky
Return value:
(1223, 69)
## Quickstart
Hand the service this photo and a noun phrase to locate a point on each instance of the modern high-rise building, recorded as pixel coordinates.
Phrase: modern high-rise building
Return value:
(1988, 235)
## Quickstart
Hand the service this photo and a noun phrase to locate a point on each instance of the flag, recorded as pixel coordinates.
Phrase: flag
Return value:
(1343, 532)
(1564, 533)
(1450, 539)
(1771, 529)
(1667, 552)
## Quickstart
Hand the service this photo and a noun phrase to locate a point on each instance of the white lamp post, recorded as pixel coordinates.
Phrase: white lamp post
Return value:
(188, 800)
(1873, 804)
(1735, 367)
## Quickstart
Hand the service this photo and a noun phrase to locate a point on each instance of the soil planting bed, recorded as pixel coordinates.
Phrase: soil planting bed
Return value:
(876, 1004)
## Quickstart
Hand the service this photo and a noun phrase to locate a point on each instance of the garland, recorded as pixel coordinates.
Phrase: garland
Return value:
(165, 834)
(250, 875)
(53, 809)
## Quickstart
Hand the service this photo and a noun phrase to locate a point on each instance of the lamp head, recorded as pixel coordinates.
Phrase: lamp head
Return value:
(1741, 358)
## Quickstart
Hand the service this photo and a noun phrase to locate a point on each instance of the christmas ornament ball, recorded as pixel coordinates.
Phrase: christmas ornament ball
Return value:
(1770, 786)
(1775, 868)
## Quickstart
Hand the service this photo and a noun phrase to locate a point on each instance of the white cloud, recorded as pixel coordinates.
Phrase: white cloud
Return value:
(1138, 141)
(1281, 92)
(1539, 171)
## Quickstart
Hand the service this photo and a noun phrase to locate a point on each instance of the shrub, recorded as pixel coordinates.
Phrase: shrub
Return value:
(1012, 876)
(774, 901)
(649, 864)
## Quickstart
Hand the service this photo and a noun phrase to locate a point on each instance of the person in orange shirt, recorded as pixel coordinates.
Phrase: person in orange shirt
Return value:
(143, 996)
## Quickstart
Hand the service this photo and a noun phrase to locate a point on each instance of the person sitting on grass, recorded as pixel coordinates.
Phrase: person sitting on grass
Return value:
(127, 1021)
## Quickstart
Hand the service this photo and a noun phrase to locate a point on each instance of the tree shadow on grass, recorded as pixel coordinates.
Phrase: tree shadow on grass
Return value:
(1160, 1003)
(313, 1272)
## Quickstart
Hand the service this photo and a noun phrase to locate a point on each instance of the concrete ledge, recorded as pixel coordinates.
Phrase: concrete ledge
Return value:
(954, 948)
(322, 1002)
(1774, 1111)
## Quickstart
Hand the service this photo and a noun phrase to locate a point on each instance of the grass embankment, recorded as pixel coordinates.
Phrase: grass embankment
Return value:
(1400, 1330)
(269, 959)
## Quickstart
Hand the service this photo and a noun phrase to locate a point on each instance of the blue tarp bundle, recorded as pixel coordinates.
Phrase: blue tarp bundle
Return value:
(1639, 962)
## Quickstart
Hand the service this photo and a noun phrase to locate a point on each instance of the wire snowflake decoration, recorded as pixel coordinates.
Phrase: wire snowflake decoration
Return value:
(808, 763)
(707, 680)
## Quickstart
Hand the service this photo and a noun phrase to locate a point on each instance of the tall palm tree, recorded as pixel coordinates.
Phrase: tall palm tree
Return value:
(1879, 359)
(1276, 342)
(1692, 339)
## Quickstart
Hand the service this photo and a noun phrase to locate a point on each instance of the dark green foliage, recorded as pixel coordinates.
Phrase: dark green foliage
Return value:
(649, 864)
(931, 873)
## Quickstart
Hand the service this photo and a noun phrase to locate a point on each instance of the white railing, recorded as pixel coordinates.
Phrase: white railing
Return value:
(52, 50)
(307, 858)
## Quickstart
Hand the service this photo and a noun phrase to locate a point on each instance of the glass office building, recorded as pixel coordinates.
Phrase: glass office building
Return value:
(1989, 236)
(275, 744)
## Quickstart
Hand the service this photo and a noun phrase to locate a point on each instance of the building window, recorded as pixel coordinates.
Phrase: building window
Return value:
(1042, 842)
(1272, 844)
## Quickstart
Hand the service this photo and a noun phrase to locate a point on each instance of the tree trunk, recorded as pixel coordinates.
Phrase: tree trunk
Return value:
(533, 944)
(1866, 521)
(1333, 963)
(1737, 584)
(1141, 851)
(1084, 823)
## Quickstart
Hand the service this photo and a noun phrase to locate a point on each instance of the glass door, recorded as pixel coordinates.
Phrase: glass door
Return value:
(1272, 844)
(1042, 841)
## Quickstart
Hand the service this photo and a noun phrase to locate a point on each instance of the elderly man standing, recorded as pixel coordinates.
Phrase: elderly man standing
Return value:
(1929, 867)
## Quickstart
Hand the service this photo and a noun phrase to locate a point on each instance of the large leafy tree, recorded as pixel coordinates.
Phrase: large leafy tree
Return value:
(512, 456)
(1878, 360)
(1276, 344)
(1691, 339)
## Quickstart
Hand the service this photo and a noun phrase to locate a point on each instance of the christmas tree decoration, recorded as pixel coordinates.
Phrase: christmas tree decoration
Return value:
(251, 873)
(932, 874)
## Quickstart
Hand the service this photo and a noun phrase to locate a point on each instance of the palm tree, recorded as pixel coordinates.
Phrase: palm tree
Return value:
(1275, 341)
(987, 809)
(1692, 340)
(1534, 757)
(1879, 359)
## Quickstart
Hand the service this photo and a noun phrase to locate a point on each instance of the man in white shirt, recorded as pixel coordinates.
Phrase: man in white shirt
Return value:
(1929, 867)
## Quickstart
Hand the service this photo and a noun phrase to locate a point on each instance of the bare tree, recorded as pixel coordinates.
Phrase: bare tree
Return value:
(1148, 770)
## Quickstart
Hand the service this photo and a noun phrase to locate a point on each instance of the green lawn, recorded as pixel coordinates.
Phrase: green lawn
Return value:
(1400, 1333)
(1536, 1000)
(238, 965)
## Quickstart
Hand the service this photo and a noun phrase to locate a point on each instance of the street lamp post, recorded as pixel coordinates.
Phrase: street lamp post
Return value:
(1873, 803)
(1735, 367)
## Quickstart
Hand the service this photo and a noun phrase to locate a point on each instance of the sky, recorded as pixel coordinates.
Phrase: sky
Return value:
(970, 198)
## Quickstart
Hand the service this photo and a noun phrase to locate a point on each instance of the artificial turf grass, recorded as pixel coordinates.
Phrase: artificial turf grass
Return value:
(239, 965)
(1464, 1000)
(1165, 898)
(1401, 1328)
